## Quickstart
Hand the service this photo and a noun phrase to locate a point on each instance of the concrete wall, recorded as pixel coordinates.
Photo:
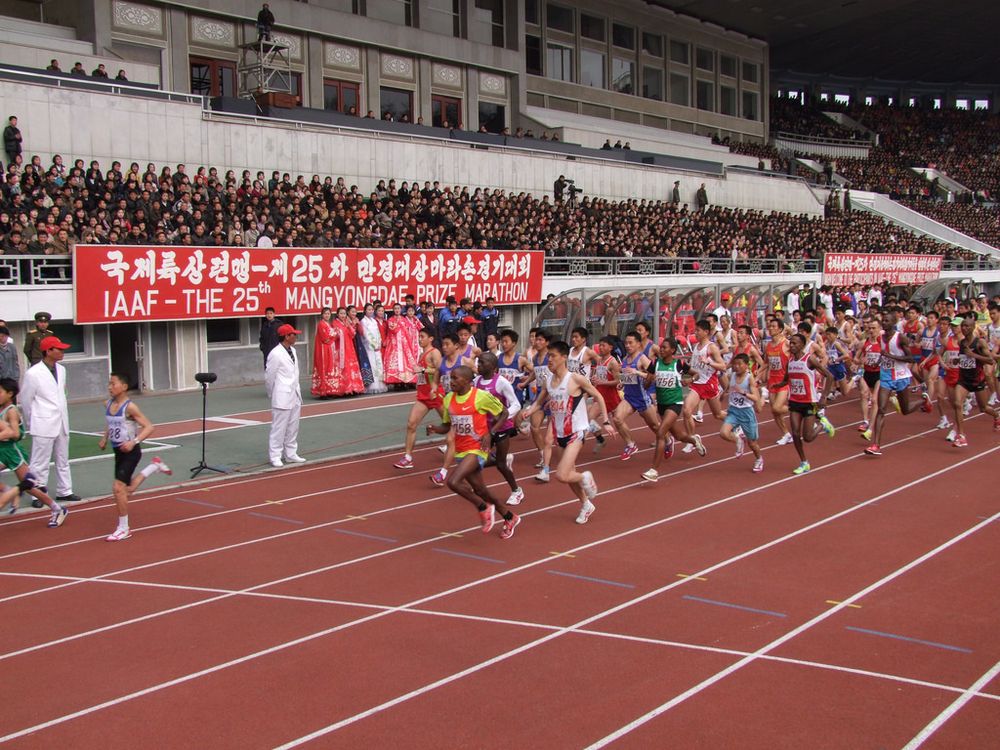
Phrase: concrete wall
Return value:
(106, 127)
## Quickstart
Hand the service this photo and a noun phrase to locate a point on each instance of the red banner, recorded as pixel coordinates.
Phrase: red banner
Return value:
(116, 283)
(841, 269)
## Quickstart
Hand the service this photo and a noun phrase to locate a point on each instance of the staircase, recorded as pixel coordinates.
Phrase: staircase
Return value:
(915, 221)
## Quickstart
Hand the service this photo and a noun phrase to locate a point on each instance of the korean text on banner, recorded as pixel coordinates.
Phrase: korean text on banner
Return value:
(841, 269)
(115, 283)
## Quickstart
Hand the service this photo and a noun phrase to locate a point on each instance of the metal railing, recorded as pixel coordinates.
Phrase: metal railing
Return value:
(97, 85)
(592, 266)
(36, 270)
(57, 270)
(825, 140)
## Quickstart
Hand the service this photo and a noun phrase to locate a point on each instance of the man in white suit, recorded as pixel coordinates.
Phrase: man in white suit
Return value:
(281, 376)
(43, 399)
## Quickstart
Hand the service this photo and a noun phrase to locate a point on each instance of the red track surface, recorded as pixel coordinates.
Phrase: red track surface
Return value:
(348, 603)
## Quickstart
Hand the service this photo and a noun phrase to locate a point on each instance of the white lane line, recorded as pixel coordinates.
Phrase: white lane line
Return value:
(386, 552)
(718, 676)
(476, 618)
(284, 477)
(938, 721)
(471, 584)
(674, 584)
(185, 488)
(326, 524)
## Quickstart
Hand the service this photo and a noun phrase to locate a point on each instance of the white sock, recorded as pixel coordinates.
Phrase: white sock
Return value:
(150, 469)
(122, 523)
(407, 456)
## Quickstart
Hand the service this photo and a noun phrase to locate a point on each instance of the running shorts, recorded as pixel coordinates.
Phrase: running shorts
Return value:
(898, 386)
(745, 418)
(707, 391)
(126, 463)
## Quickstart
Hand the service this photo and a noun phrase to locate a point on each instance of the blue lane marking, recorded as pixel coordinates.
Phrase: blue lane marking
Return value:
(592, 580)
(277, 518)
(911, 640)
(366, 536)
(466, 554)
(734, 606)
(198, 502)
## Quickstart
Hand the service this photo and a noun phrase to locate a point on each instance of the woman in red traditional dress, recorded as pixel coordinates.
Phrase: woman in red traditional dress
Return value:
(323, 357)
(416, 325)
(399, 362)
(346, 377)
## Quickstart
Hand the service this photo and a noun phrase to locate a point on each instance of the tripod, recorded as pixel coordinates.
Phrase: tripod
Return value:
(205, 378)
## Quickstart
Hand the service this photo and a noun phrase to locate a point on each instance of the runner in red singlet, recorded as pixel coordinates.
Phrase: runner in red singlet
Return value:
(430, 395)
(776, 365)
(869, 359)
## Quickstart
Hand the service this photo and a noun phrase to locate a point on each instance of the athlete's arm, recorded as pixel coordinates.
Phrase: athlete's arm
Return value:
(715, 358)
(756, 358)
(433, 360)
(538, 403)
(507, 391)
(8, 426)
(755, 394)
(145, 427)
(818, 366)
(587, 387)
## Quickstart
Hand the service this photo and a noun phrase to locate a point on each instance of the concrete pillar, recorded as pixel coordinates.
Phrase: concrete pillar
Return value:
(373, 66)
(313, 58)
(471, 104)
(422, 96)
(178, 73)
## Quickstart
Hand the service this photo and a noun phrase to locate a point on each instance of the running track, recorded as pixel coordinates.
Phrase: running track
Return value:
(347, 603)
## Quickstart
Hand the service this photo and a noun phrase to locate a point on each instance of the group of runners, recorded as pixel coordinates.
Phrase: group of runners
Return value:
(897, 357)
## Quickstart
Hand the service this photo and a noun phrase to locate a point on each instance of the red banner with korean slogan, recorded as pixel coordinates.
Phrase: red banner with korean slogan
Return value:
(115, 283)
(841, 269)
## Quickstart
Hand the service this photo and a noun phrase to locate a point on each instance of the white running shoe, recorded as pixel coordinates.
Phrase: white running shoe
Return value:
(589, 485)
(296, 459)
(276, 463)
(586, 512)
(785, 439)
(688, 448)
(443, 448)
(944, 424)
(699, 445)
(758, 466)
(967, 407)
(160, 466)
(740, 445)
(119, 535)
(651, 475)
(765, 395)
(951, 435)
(699, 417)
(516, 497)
(542, 476)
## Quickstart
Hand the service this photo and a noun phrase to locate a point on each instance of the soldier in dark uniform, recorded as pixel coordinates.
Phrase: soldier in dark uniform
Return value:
(32, 350)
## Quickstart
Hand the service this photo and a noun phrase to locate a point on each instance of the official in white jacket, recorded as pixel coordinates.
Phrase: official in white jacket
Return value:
(43, 400)
(281, 376)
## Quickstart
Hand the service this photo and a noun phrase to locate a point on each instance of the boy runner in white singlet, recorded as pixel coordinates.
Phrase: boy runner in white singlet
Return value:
(564, 393)
(126, 428)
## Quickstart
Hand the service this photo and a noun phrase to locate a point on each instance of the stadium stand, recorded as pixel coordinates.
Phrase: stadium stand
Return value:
(206, 207)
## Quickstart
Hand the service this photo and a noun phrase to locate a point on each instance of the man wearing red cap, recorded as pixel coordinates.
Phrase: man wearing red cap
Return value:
(281, 376)
(43, 400)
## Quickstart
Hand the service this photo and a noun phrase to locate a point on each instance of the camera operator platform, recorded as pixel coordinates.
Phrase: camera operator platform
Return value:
(264, 68)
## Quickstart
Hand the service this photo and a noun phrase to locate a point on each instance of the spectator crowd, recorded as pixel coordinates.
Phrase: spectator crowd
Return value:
(47, 209)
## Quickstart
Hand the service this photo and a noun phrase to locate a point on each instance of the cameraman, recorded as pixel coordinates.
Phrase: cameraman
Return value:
(558, 187)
